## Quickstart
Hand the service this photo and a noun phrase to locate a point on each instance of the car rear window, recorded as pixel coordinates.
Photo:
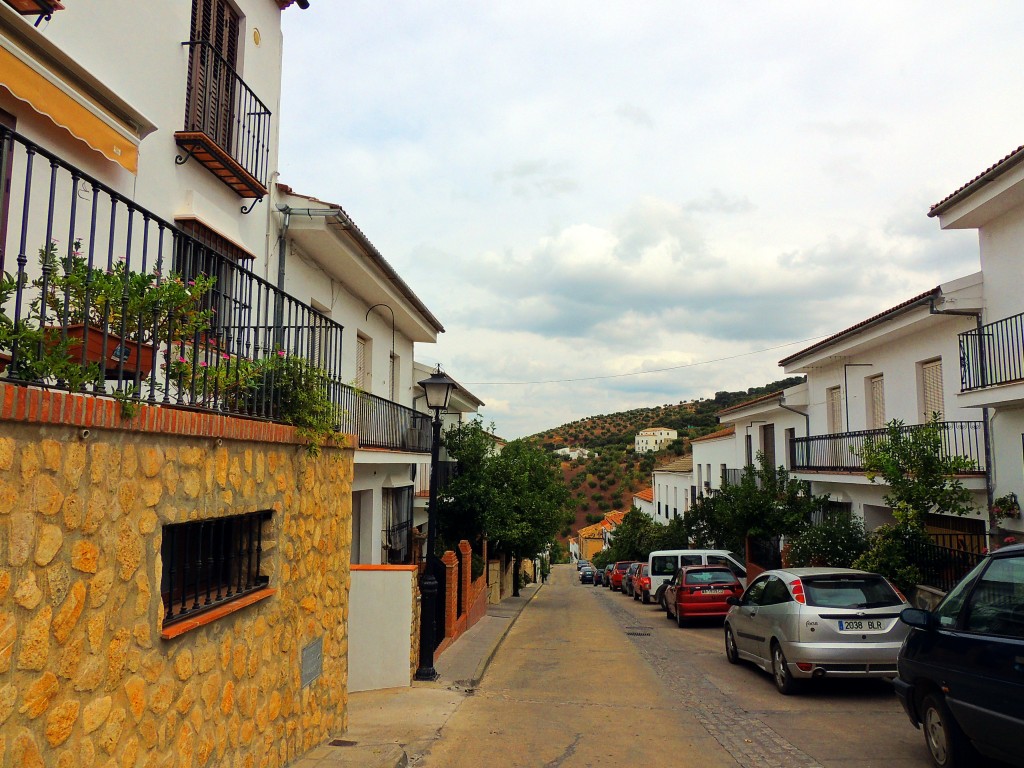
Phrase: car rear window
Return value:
(622, 566)
(850, 592)
(710, 576)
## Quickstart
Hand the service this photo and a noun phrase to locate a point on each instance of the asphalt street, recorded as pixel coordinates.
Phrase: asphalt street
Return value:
(589, 677)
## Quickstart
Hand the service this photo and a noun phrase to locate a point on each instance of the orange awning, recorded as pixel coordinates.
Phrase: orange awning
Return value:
(48, 95)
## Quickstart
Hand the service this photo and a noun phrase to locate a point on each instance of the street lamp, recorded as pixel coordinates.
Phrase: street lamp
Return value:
(438, 391)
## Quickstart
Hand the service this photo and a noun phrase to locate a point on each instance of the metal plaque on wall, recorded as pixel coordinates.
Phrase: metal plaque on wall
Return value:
(312, 661)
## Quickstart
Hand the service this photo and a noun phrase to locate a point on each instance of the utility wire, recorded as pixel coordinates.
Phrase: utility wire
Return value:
(638, 373)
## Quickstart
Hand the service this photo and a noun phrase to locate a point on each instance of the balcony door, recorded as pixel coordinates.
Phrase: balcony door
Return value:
(211, 70)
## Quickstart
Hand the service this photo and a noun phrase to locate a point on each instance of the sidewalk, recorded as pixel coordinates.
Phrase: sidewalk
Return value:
(389, 728)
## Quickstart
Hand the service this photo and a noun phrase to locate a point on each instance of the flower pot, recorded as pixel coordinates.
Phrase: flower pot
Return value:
(114, 355)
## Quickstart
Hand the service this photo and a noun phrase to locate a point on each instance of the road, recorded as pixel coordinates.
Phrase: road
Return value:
(590, 678)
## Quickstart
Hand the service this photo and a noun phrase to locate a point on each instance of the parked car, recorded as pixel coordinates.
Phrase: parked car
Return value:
(587, 575)
(606, 578)
(799, 623)
(642, 584)
(581, 563)
(961, 669)
(617, 572)
(665, 562)
(598, 577)
(700, 591)
(627, 579)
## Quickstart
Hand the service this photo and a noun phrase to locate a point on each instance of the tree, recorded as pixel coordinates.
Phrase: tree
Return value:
(529, 502)
(467, 497)
(921, 478)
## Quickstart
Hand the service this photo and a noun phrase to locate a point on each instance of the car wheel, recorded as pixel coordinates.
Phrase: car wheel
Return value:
(780, 672)
(636, 596)
(645, 598)
(947, 744)
(680, 622)
(732, 653)
(668, 613)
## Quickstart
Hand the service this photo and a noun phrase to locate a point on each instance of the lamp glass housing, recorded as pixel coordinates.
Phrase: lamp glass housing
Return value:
(438, 390)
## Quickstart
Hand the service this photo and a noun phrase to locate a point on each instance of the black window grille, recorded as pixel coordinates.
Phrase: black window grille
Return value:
(207, 563)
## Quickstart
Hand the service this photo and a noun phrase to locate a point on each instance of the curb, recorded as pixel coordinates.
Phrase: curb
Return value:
(485, 662)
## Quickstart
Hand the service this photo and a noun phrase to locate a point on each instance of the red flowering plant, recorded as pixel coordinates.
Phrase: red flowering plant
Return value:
(1006, 507)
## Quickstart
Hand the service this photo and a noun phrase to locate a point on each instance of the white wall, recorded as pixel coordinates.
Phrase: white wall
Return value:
(898, 360)
(672, 490)
(379, 626)
(135, 50)
(715, 452)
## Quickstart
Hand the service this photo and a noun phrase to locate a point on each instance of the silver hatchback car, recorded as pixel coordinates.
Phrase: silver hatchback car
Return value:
(800, 623)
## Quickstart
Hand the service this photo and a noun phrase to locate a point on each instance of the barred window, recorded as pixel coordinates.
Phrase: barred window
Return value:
(207, 563)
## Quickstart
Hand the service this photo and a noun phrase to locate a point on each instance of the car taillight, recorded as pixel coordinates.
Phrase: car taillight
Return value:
(804, 666)
(897, 591)
(797, 588)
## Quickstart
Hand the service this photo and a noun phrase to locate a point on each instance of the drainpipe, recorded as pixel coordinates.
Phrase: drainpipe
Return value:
(807, 427)
(846, 387)
(986, 433)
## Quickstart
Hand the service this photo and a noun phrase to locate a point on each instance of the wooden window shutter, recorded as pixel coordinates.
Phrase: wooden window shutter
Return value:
(877, 402)
(362, 365)
(835, 411)
(931, 389)
(210, 100)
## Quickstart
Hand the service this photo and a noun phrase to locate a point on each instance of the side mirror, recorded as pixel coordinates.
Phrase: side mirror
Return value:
(918, 618)
(733, 600)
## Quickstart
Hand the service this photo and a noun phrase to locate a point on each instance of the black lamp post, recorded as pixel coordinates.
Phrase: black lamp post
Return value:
(438, 390)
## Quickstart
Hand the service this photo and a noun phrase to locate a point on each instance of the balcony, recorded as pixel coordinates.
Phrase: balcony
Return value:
(993, 356)
(101, 296)
(227, 128)
(841, 452)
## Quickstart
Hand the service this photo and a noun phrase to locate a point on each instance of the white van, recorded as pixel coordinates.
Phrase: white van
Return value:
(664, 563)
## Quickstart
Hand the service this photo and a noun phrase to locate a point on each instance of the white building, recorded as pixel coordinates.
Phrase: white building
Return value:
(899, 364)
(330, 264)
(768, 424)
(644, 502)
(572, 453)
(990, 357)
(673, 488)
(713, 454)
(653, 439)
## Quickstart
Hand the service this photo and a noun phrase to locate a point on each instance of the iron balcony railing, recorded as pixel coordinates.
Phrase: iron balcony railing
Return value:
(80, 265)
(219, 104)
(841, 452)
(992, 354)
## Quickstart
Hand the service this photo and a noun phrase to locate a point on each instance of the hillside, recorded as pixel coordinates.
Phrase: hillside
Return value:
(690, 419)
(608, 479)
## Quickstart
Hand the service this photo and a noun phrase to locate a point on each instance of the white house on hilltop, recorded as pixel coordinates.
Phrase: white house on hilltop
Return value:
(653, 439)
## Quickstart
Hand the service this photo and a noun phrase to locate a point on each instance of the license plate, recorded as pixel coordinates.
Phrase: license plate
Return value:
(713, 592)
(862, 625)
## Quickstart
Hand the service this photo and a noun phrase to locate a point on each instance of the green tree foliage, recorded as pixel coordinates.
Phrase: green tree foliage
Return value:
(837, 542)
(766, 502)
(468, 496)
(921, 478)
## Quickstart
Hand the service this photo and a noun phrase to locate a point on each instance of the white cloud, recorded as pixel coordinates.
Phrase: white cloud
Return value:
(575, 194)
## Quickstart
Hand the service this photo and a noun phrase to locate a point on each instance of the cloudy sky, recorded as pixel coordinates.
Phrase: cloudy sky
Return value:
(614, 205)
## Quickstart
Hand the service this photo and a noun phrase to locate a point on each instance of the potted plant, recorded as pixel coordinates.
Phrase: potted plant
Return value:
(117, 317)
(1006, 507)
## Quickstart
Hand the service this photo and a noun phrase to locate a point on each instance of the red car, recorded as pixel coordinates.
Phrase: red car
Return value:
(642, 584)
(618, 572)
(700, 591)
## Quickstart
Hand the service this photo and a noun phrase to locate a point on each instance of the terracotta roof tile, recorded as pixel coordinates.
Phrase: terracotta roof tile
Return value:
(864, 324)
(980, 180)
(683, 464)
(746, 403)
(715, 435)
(647, 494)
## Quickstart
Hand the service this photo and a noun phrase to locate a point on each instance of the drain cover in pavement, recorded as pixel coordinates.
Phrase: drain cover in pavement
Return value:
(638, 632)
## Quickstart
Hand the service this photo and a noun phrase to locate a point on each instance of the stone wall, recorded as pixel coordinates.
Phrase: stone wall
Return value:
(88, 676)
